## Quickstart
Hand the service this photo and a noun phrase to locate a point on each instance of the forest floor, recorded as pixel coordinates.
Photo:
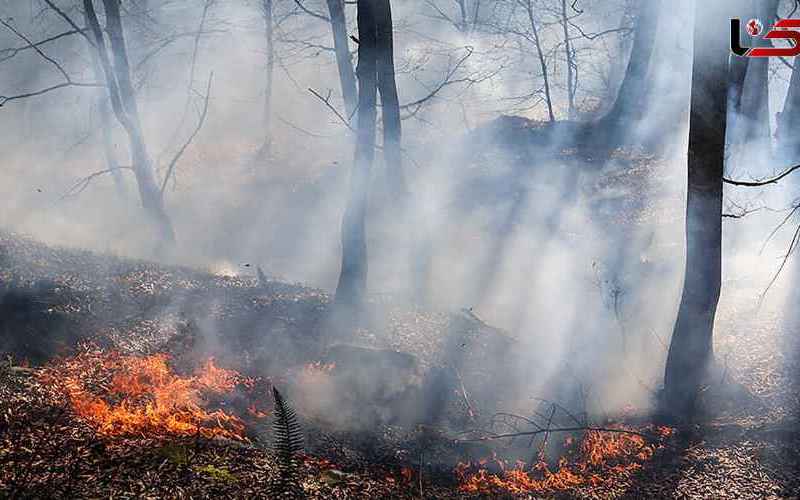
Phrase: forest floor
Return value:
(75, 324)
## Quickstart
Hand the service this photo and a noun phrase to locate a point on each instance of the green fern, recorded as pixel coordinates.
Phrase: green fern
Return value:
(287, 444)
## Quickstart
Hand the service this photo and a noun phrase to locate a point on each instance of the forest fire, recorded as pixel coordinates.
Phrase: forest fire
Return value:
(121, 395)
(600, 457)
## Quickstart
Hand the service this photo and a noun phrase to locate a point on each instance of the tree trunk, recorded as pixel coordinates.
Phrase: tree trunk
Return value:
(788, 132)
(123, 101)
(351, 289)
(629, 105)
(347, 78)
(754, 110)
(390, 105)
(690, 351)
(542, 61)
(104, 113)
(270, 46)
(571, 82)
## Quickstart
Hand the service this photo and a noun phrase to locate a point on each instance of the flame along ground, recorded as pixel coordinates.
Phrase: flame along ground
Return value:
(123, 395)
(598, 457)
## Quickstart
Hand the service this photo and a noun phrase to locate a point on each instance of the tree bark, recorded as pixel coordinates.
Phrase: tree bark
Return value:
(347, 78)
(571, 82)
(542, 61)
(269, 35)
(390, 104)
(789, 119)
(753, 107)
(123, 102)
(351, 289)
(690, 351)
(104, 113)
(633, 91)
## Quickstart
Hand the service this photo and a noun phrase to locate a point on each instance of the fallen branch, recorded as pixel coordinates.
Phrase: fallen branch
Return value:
(495, 437)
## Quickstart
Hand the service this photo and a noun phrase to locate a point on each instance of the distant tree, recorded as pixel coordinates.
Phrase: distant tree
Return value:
(267, 11)
(123, 102)
(628, 107)
(750, 94)
(691, 351)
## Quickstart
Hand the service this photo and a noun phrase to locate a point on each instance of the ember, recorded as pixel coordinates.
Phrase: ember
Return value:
(123, 395)
(600, 457)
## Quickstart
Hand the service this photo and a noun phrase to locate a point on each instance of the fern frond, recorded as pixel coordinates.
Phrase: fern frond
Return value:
(287, 444)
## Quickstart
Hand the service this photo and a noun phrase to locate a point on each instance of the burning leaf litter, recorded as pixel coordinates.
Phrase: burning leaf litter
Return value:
(598, 458)
(125, 395)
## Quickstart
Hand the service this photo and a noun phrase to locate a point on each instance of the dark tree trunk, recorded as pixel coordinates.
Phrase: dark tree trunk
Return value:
(123, 101)
(347, 78)
(351, 289)
(690, 351)
(633, 90)
(390, 105)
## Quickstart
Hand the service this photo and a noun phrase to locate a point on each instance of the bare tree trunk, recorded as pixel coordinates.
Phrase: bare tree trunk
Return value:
(633, 90)
(104, 112)
(352, 286)
(542, 61)
(269, 28)
(690, 351)
(347, 78)
(754, 110)
(123, 101)
(789, 119)
(570, 62)
(390, 105)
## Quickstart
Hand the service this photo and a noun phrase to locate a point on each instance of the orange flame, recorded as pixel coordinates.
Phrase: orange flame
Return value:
(144, 397)
(601, 457)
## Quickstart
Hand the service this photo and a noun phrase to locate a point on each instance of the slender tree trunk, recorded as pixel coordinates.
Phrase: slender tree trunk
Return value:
(123, 101)
(570, 62)
(347, 78)
(754, 107)
(789, 119)
(633, 90)
(390, 105)
(542, 61)
(351, 289)
(270, 46)
(104, 113)
(690, 351)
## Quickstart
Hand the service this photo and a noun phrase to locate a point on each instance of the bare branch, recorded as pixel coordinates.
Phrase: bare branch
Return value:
(11, 52)
(763, 182)
(180, 152)
(81, 185)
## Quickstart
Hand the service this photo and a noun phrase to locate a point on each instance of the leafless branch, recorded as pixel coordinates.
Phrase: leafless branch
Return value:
(6, 54)
(171, 167)
(82, 183)
(763, 182)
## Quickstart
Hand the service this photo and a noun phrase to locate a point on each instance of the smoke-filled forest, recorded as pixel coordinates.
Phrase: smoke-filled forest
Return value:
(427, 249)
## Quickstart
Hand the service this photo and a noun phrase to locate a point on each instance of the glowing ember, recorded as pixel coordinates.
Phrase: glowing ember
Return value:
(600, 457)
(129, 395)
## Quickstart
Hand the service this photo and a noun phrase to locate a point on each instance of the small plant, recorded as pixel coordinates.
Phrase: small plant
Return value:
(287, 444)
(217, 473)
